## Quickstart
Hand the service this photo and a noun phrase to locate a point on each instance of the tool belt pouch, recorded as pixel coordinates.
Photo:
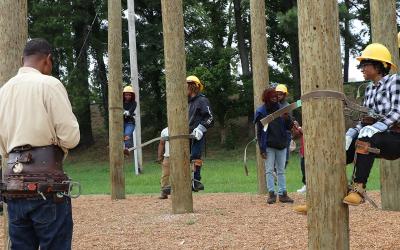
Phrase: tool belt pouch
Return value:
(367, 120)
(34, 172)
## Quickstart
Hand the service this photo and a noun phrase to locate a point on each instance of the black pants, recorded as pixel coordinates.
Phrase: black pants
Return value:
(303, 170)
(387, 142)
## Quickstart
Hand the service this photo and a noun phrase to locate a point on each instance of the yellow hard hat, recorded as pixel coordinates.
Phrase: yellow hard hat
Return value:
(128, 89)
(281, 88)
(196, 81)
(377, 52)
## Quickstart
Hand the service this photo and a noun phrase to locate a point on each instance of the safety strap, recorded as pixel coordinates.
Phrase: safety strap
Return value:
(365, 148)
(316, 94)
(165, 138)
(246, 170)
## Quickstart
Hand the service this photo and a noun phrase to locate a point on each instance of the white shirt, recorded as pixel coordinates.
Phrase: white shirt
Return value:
(35, 110)
(164, 133)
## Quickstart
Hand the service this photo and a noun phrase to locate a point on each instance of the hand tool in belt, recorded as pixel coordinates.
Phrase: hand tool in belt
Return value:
(164, 138)
(318, 94)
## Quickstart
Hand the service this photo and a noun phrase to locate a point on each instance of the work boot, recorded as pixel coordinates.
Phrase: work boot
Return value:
(163, 195)
(355, 196)
(284, 198)
(300, 209)
(197, 186)
(271, 198)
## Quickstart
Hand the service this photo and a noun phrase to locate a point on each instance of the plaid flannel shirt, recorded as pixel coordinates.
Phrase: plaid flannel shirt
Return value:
(384, 99)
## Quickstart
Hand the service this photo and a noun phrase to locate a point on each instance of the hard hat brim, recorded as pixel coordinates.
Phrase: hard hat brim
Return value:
(360, 58)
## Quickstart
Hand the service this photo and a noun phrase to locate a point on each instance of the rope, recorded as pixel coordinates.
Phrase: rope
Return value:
(246, 170)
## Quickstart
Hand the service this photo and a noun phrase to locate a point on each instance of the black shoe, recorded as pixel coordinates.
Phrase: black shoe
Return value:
(197, 186)
(163, 196)
(284, 198)
(271, 198)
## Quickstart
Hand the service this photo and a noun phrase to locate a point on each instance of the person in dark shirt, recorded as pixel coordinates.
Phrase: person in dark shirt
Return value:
(129, 106)
(200, 120)
(273, 144)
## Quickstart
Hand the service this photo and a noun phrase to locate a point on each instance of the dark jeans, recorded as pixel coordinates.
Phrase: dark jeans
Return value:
(34, 223)
(303, 170)
(387, 142)
(195, 154)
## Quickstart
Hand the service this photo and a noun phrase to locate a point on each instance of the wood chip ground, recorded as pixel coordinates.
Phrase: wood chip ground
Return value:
(219, 221)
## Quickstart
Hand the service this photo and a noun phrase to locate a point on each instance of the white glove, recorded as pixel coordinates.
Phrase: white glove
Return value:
(369, 131)
(349, 139)
(198, 132)
(126, 113)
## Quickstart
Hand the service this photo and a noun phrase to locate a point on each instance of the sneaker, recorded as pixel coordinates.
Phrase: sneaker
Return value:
(284, 198)
(271, 198)
(302, 190)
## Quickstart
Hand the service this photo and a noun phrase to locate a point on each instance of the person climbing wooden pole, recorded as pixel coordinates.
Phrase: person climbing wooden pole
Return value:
(384, 31)
(260, 71)
(177, 104)
(323, 125)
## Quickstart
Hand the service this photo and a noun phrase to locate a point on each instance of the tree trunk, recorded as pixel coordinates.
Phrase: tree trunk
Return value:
(177, 106)
(260, 71)
(244, 55)
(320, 66)
(223, 135)
(384, 31)
(115, 99)
(14, 30)
(346, 42)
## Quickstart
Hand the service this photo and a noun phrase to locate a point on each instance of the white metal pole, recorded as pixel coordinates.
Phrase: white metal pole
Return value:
(135, 83)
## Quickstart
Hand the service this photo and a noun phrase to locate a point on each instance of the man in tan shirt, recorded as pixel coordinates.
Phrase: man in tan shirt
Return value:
(37, 127)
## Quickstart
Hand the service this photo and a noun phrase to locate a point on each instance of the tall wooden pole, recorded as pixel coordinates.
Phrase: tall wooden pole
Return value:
(323, 125)
(260, 71)
(384, 31)
(177, 106)
(115, 100)
(135, 84)
(14, 30)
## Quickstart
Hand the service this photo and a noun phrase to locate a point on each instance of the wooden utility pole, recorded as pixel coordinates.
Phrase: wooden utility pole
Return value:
(115, 100)
(14, 30)
(323, 125)
(135, 84)
(384, 31)
(177, 106)
(260, 71)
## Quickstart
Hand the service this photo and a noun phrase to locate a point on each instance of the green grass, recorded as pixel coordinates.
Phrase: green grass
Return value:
(222, 172)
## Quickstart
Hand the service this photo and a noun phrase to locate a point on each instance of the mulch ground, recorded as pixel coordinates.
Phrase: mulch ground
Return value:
(219, 221)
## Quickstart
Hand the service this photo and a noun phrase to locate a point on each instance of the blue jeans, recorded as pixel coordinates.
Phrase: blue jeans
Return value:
(129, 127)
(277, 158)
(34, 223)
(195, 153)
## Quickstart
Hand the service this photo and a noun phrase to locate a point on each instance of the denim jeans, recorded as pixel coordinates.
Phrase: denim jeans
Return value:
(34, 223)
(195, 153)
(129, 127)
(277, 158)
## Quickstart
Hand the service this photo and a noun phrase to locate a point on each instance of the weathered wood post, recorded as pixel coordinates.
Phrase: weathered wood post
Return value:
(384, 31)
(115, 99)
(14, 30)
(260, 71)
(177, 105)
(323, 124)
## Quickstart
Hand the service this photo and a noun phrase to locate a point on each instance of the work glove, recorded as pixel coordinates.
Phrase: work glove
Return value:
(369, 131)
(350, 135)
(126, 113)
(198, 132)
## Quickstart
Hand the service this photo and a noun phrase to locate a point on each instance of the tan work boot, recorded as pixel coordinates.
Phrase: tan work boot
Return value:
(355, 196)
(300, 209)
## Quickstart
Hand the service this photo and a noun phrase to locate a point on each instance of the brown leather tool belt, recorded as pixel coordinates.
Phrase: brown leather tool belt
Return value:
(395, 127)
(368, 120)
(34, 172)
